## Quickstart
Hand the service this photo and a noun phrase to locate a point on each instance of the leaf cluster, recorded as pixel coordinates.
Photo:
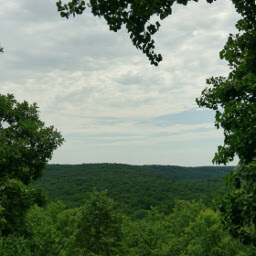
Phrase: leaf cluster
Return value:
(134, 15)
(26, 145)
(233, 99)
(98, 229)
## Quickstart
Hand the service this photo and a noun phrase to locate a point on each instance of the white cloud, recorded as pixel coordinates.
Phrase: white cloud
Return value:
(94, 86)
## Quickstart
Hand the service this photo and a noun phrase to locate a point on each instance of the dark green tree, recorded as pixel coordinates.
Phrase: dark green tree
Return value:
(26, 145)
(234, 100)
(100, 227)
(192, 229)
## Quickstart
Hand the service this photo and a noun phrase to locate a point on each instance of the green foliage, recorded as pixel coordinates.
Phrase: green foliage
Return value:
(67, 225)
(44, 236)
(25, 147)
(93, 229)
(14, 245)
(134, 15)
(238, 206)
(134, 188)
(206, 237)
(2, 219)
(233, 99)
(15, 199)
(191, 230)
(26, 143)
(99, 228)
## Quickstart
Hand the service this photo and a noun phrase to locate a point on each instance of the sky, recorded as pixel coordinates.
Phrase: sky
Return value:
(103, 95)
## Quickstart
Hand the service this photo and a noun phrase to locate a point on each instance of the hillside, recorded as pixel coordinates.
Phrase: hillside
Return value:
(134, 188)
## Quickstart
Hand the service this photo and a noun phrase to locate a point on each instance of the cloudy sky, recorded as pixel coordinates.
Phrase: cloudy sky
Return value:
(102, 93)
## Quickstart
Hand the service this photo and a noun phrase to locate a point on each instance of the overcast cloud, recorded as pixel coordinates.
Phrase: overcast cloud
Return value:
(102, 93)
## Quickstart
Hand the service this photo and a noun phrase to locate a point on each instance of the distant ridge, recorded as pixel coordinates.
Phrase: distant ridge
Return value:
(135, 188)
(175, 172)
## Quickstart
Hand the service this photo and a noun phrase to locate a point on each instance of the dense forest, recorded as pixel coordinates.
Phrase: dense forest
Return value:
(103, 209)
(157, 210)
(121, 210)
(135, 188)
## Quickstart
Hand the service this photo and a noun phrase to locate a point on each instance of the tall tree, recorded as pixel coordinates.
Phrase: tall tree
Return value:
(26, 145)
(100, 227)
(234, 100)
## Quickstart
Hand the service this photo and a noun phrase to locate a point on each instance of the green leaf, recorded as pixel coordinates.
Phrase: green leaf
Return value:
(63, 14)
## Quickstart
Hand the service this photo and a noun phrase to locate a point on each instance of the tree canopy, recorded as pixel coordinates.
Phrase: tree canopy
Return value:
(26, 145)
(134, 15)
(233, 99)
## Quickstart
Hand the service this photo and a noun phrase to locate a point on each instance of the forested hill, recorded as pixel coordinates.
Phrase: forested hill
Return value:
(182, 173)
(134, 188)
